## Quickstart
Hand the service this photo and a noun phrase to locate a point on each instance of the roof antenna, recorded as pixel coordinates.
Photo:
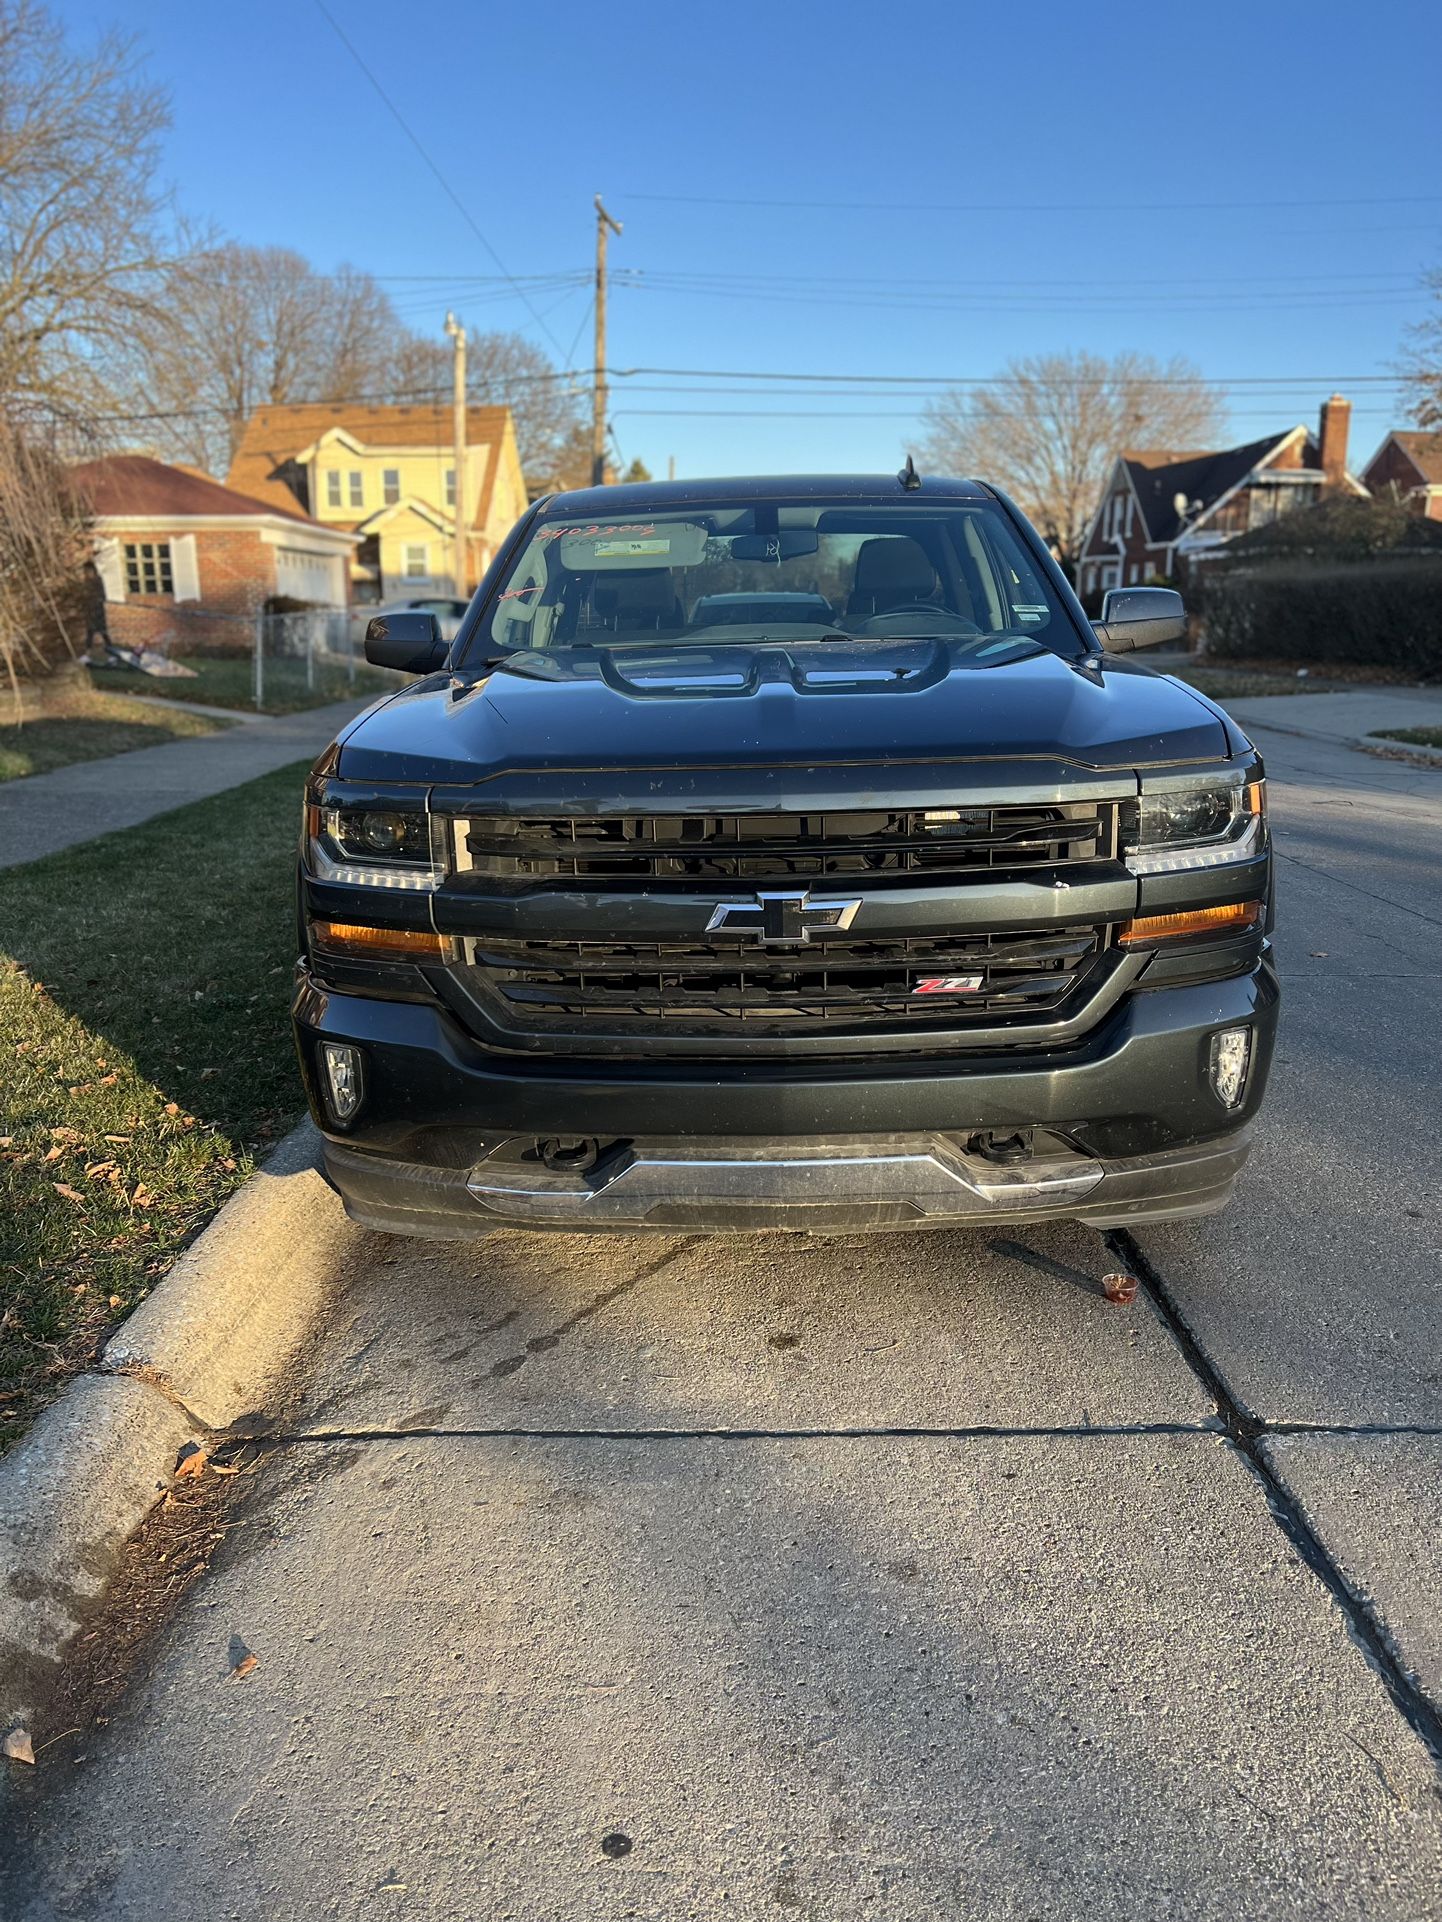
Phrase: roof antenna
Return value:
(908, 476)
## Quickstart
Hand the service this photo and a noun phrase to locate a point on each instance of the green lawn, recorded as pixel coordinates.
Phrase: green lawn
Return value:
(67, 722)
(1413, 736)
(147, 1062)
(229, 681)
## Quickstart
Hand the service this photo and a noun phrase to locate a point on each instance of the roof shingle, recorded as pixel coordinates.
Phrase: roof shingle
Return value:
(136, 484)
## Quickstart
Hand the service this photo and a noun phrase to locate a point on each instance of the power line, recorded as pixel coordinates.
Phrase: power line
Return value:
(991, 380)
(1040, 206)
(445, 184)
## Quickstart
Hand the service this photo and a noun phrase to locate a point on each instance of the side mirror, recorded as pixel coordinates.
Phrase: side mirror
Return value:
(410, 643)
(1140, 617)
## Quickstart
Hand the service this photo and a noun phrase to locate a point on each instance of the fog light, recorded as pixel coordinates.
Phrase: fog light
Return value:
(343, 1078)
(1231, 1054)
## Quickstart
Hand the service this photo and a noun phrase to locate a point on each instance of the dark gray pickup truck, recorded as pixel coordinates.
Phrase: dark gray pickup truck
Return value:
(783, 853)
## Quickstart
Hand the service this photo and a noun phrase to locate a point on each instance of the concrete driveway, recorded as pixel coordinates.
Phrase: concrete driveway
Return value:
(898, 1577)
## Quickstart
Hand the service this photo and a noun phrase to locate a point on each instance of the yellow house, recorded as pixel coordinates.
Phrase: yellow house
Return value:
(388, 474)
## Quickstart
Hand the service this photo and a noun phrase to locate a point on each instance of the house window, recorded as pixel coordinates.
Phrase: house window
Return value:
(417, 561)
(390, 485)
(147, 568)
(450, 487)
(332, 487)
(357, 488)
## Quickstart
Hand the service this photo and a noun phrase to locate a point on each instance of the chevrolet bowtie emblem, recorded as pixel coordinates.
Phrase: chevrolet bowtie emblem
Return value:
(780, 920)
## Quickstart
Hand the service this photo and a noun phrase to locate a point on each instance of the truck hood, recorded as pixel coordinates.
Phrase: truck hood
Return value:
(649, 710)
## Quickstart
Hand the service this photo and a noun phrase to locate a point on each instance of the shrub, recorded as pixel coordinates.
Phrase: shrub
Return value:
(44, 543)
(1381, 612)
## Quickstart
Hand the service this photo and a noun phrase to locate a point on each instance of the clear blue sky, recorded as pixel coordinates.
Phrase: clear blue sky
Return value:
(1011, 178)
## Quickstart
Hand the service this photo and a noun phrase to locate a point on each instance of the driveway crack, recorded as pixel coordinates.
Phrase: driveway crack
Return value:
(1244, 1431)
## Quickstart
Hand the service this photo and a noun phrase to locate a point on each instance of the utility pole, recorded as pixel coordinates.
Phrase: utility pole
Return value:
(458, 341)
(604, 223)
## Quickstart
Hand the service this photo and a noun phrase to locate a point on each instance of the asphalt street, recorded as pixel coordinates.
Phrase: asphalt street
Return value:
(901, 1577)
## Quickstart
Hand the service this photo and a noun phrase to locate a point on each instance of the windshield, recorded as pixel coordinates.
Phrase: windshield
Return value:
(782, 573)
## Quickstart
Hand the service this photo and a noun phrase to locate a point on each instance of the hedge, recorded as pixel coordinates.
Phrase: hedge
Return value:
(1382, 612)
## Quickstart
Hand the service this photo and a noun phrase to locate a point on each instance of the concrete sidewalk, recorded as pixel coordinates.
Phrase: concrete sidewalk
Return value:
(1344, 718)
(48, 812)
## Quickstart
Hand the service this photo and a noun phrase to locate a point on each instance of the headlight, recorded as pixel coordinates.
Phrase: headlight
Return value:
(375, 839)
(1205, 826)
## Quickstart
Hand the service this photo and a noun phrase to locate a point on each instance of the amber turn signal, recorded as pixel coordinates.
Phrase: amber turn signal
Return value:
(378, 944)
(1232, 918)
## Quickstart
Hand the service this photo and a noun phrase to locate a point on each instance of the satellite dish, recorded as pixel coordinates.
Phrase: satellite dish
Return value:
(1179, 506)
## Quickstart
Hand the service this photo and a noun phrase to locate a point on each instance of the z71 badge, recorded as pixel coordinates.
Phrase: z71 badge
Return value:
(948, 984)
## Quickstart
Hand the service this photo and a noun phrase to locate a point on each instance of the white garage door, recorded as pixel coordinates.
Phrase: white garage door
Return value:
(308, 577)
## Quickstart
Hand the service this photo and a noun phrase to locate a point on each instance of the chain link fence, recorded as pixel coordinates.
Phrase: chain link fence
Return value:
(276, 663)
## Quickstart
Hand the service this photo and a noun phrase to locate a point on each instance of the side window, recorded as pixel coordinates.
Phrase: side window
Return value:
(147, 567)
(357, 488)
(332, 487)
(390, 485)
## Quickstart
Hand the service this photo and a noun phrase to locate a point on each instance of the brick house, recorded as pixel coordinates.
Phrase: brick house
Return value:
(1411, 464)
(387, 475)
(186, 560)
(1162, 513)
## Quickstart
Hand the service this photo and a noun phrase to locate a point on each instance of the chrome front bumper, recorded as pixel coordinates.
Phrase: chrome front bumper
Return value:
(813, 1185)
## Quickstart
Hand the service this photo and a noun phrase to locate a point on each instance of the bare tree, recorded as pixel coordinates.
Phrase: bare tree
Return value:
(244, 326)
(44, 543)
(1421, 365)
(507, 371)
(1049, 426)
(83, 229)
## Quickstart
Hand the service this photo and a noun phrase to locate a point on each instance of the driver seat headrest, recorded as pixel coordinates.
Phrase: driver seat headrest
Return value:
(890, 571)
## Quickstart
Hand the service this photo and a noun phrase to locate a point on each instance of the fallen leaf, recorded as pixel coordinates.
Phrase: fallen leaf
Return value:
(109, 1080)
(102, 1170)
(65, 1134)
(244, 1666)
(54, 1154)
(18, 1747)
(115, 1301)
(142, 1197)
(119, 1141)
(172, 1107)
(1120, 1288)
(192, 1461)
(70, 1194)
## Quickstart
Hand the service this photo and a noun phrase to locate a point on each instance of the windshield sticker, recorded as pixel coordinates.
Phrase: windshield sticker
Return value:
(658, 545)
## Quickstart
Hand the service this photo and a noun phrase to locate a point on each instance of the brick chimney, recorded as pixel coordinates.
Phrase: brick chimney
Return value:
(1332, 438)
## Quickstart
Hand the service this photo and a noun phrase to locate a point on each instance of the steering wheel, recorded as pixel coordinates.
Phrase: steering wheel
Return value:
(912, 611)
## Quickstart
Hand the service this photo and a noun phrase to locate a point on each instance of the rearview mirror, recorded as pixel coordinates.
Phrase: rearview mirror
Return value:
(1135, 617)
(789, 545)
(410, 643)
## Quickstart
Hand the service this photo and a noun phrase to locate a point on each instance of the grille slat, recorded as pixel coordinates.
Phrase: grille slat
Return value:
(782, 846)
(583, 984)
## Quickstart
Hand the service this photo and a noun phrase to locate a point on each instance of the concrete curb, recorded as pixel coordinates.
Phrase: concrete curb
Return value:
(1377, 744)
(205, 1349)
